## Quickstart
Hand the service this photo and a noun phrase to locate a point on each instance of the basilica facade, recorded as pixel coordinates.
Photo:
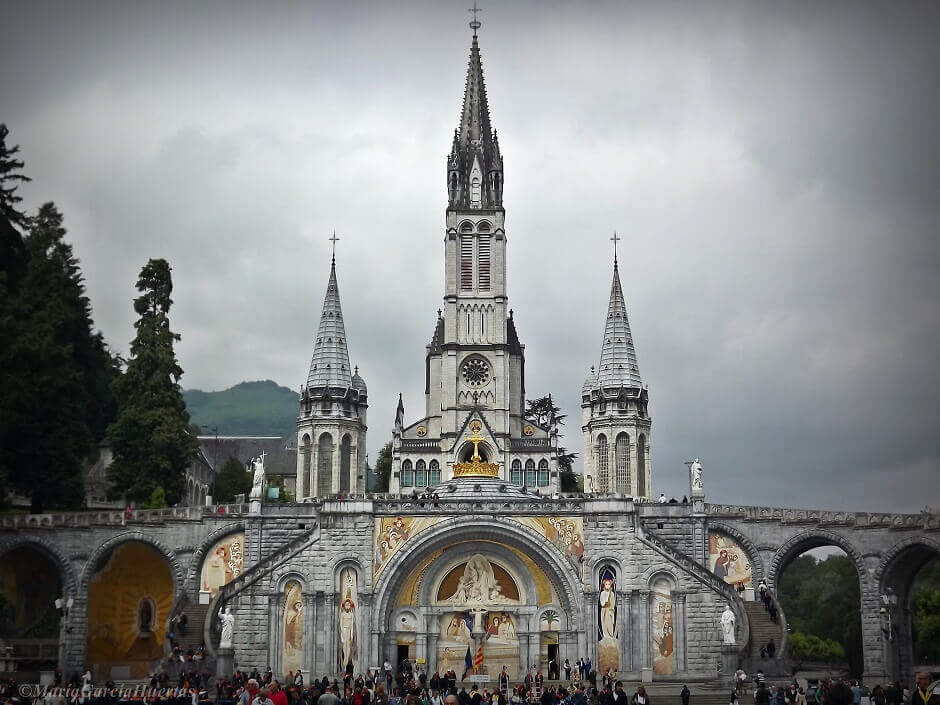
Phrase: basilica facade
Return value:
(474, 553)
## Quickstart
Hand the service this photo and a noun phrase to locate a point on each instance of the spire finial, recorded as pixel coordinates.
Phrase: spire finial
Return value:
(475, 24)
(334, 240)
(615, 239)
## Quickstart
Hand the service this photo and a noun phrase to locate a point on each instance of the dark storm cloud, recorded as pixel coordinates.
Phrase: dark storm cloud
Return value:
(772, 169)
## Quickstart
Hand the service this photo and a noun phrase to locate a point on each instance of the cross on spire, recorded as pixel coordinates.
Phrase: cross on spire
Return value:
(475, 24)
(615, 239)
(334, 240)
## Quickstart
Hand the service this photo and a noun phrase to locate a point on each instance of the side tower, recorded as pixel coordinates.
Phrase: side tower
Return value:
(614, 417)
(475, 363)
(331, 427)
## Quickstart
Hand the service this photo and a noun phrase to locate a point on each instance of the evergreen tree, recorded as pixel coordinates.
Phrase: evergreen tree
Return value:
(383, 469)
(150, 438)
(56, 373)
(10, 178)
(543, 412)
(232, 479)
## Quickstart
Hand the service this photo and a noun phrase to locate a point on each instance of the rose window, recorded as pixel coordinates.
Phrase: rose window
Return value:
(475, 372)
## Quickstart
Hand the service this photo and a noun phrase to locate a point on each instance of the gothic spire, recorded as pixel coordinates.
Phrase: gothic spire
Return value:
(330, 364)
(475, 167)
(618, 366)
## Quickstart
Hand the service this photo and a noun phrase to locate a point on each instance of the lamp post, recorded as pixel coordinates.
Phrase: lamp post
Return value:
(64, 605)
(889, 602)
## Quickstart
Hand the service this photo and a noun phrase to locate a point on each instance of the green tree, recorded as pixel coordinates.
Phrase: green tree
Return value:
(56, 373)
(10, 179)
(382, 470)
(157, 499)
(809, 647)
(232, 479)
(283, 494)
(821, 598)
(150, 438)
(543, 412)
(925, 592)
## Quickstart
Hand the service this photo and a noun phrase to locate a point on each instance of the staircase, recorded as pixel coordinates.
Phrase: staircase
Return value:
(248, 578)
(762, 631)
(196, 614)
(676, 556)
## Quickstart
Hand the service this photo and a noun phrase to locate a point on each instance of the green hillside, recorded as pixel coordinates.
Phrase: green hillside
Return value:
(248, 409)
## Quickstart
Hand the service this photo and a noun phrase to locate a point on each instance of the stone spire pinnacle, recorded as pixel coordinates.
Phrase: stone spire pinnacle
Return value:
(474, 166)
(330, 364)
(618, 358)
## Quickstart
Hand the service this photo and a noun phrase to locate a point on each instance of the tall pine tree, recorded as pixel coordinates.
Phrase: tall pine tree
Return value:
(150, 438)
(56, 373)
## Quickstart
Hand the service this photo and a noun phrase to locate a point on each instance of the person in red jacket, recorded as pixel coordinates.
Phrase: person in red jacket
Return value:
(277, 695)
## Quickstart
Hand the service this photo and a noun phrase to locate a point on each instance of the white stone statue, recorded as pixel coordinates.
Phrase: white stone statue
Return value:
(477, 585)
(257, 482)
(728, 621)
(228, 628)
(695, 473)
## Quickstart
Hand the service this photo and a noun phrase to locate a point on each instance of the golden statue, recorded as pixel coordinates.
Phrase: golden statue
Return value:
(476, 467)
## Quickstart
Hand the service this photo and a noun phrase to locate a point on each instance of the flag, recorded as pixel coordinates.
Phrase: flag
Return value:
(478, 661)
(468, 664)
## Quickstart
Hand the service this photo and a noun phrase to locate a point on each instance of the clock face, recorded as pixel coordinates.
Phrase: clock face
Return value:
(475, 371)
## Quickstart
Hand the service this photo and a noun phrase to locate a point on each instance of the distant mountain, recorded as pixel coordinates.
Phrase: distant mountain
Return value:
(248, 409)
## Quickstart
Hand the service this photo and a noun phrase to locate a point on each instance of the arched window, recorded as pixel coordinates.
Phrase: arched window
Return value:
(515, 475)
(407, 474)
(600, 454)
(307, 477)
(325, 465)
(641, 490)
(530, 478)
(622, 454)
(421, 474)
(543, 473)
(466, 262)
(483, 263)
(434, 473)
(345, 461)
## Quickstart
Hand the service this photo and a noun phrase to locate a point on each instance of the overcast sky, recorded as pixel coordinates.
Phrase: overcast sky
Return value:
(773, 169)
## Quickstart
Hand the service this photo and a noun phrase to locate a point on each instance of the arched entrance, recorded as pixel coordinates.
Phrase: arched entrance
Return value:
(817, 581)
(485, 587)
(30, 583)
(130, 596)
(909, 591)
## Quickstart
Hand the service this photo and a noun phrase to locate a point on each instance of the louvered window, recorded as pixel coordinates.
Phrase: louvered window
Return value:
(484, 263)
(601, 455)
(466, 263)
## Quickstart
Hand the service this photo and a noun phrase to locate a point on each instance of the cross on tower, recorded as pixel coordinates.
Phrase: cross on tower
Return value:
(475, 24)
(334, 240)
(615, 239)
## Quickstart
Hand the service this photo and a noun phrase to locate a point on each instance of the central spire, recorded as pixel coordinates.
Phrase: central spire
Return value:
(475, 166)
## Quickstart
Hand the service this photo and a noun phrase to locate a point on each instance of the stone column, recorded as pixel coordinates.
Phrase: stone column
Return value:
(432, 636)
(876, 649)
(680, 632)
(275, 630)
(318, 661)
(363, 620)
(310, 637)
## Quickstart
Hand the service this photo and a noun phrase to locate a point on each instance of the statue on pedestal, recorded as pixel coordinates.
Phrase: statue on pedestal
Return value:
(228, 628)
(695, 478)
(257, 482)
(728, 621)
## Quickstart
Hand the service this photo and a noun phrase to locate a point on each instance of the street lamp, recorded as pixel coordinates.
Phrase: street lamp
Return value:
(64, 605)
(889, 601)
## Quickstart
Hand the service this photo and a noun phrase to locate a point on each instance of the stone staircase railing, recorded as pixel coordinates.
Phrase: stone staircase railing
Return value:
(252, 575)
(648, 536)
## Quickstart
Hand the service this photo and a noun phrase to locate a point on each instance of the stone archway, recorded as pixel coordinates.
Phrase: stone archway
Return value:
(130, 583)
(446, 547)
(895, 577)
(808, 540)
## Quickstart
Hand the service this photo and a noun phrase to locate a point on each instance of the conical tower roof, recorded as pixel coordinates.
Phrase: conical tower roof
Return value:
(618, 365)
(475, 115)
(330, 364)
